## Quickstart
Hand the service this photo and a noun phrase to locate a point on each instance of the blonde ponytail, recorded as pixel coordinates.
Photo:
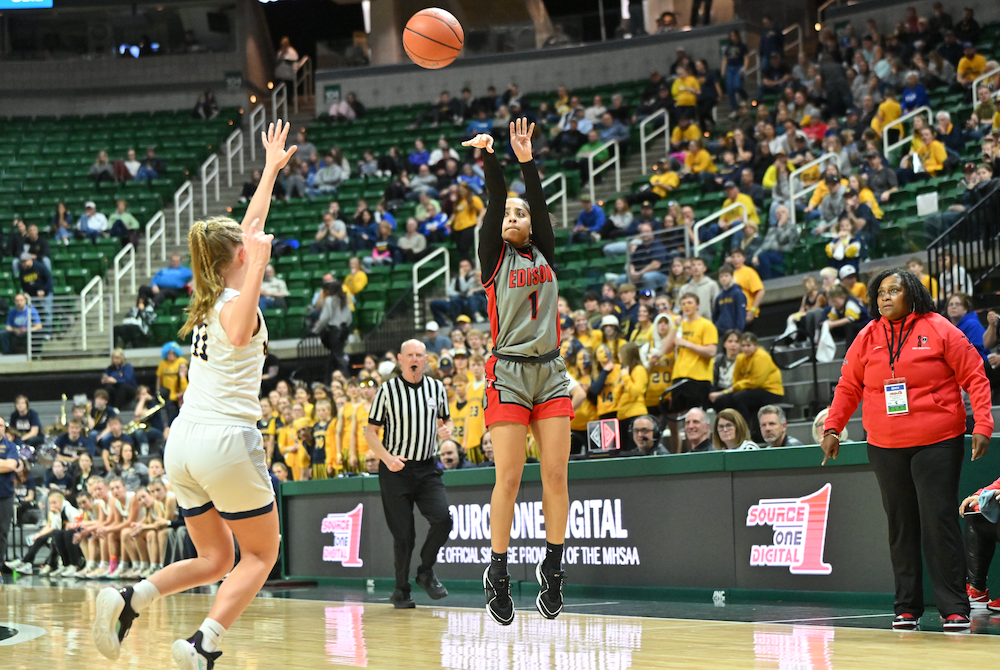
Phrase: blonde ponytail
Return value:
(212, 242)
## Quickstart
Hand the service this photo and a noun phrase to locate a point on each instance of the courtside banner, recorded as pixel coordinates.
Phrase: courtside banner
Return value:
(796, 529)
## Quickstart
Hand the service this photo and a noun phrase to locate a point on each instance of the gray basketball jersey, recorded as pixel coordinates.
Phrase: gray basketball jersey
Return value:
(523, 303)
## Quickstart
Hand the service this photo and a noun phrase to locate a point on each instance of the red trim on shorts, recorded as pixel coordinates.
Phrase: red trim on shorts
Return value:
(492, 312)
(496, 410)
(552, 408)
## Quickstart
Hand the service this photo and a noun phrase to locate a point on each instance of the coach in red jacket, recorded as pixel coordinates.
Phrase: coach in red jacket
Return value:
(909, 366)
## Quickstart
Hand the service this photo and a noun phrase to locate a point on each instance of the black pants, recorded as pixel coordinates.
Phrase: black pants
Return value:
(747, 403)
(920, 496)
(418, 482)
(981, 537)
(6, 517)
(121, 394)
(464, 240)
(61, 546)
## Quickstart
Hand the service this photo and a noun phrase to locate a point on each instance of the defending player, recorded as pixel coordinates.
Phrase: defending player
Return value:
(526, 379)
(215, 457)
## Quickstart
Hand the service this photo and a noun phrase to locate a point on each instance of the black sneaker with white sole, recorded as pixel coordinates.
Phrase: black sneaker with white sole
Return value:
(113, 621)
(498, 600)
(550, 599)
(189, 654)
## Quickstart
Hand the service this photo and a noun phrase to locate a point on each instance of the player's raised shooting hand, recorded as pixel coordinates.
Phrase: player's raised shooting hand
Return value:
(520, 139)
(480, 141)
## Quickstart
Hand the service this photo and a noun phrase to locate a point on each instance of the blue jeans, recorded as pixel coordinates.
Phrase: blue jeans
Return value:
(265, 303)
(770, 261)
(653, 280)
(734, 85)
(145, 174)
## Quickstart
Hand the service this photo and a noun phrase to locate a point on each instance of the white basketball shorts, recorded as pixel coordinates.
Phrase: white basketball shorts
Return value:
(218, 466)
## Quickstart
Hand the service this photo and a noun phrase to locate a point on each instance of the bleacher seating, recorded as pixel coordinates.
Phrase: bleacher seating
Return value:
(45, 160)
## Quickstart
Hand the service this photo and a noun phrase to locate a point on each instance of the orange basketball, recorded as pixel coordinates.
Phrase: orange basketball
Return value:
(433, 38)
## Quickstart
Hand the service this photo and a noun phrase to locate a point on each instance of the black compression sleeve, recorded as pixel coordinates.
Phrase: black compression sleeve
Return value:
(541, 223)
(490, 236)
(596, 386)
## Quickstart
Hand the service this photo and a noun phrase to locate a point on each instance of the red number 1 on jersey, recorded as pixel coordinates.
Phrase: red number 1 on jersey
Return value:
(534, 305)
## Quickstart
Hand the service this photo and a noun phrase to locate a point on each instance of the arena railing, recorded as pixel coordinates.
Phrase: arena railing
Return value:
(156, 230)
(419, 283)
(562, 195)
(303, 79)
(754, 57)
(615, 159)
(981, 78)
(794, 192)
(886, 147)
(258, 123)
(973, 242)
(92, 301)
(797, 44)
(234, 148)
(698, 246)
(279, 101)
(645, 138)
(209, 174)
(123, 271)
(183, 200)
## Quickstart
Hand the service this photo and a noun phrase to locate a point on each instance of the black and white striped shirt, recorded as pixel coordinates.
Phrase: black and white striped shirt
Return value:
(409, 414)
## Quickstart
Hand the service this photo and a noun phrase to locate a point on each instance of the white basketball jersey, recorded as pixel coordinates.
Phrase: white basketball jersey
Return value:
(223, 380)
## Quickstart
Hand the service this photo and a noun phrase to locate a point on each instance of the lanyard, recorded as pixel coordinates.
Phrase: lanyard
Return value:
(890, 339)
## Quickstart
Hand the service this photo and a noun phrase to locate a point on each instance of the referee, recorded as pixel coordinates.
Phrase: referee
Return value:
(413, 410)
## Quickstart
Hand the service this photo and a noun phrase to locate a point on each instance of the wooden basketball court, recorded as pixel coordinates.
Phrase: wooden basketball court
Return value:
(280, 630)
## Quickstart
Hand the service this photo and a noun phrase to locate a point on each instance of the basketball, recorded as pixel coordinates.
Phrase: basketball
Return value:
(433, 38)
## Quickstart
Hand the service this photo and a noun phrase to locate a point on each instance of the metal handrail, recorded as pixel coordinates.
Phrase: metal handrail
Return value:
(820, 10)
(420, 283)
(886, 147)
(209, 172)
(95, 285)
(698, 245)
(258, 122)
(234, 147)
(798, 40)
(279, 100)
(303, 78)
(644, 138)
(183, 199)
(128, 268)
(152, 237)
(982, 77)
(562, 194)
(753, 55)
(615, 159)
(795, 194)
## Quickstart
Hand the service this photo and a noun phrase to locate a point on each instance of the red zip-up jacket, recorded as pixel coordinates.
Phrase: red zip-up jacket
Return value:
(937, 360)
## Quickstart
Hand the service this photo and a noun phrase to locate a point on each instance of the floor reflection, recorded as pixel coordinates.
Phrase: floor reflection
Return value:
(798, 648)
(345, 636)
(472, 641)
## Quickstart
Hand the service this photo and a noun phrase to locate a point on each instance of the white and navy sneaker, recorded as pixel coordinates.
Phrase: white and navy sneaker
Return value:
(498, 600)
(113, 621)
(550, 599)
(189, 655)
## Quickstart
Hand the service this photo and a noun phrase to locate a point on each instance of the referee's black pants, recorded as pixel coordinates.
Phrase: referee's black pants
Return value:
(418, 482)
(920, 496)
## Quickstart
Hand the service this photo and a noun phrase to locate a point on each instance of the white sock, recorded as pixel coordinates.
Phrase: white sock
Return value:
(91, 565)
(212, 631)
(141, 566)
(103, 566)
(143, 595)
